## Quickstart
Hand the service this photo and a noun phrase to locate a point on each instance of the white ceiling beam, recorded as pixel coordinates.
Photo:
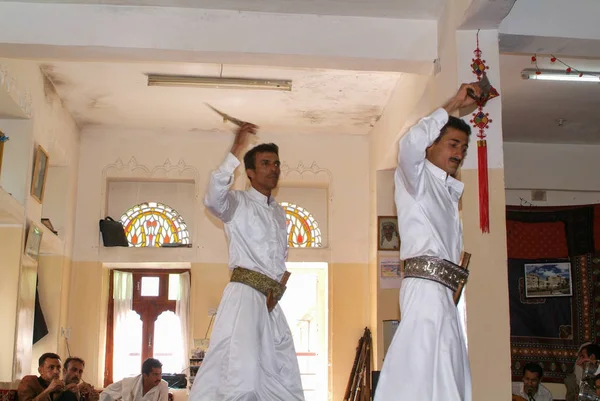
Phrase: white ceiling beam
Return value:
(566, 28)
(158, 33)
(486, 14)
(554, 18)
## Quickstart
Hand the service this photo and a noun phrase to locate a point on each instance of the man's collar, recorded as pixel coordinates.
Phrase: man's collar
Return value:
(254, 194)
(450, 181)
(43, 382)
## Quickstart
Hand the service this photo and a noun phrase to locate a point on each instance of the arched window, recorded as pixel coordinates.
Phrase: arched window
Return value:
(302, 228)
(154, 224)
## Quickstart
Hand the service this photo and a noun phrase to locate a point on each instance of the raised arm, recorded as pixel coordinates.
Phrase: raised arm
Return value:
(412, 146)
(218, 198)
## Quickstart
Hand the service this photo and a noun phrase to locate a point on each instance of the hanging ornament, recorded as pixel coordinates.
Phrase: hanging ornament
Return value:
(481, 121)
(568, 70)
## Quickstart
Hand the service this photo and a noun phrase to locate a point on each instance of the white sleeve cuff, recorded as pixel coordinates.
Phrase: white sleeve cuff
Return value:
(440, 116)
(230, 163)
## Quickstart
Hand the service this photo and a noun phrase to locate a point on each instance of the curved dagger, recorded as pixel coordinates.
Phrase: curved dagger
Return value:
(227, 117)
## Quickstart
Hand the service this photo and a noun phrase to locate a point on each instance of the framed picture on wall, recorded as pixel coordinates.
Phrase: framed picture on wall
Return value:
(388, 236)
(40, 170)
(34, 241)
(544, 280)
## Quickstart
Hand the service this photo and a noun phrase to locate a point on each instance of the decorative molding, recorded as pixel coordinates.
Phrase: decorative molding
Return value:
(312, 173)
(9, 84)
(132, 169)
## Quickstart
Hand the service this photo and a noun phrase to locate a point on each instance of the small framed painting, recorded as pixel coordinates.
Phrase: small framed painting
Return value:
(543, 280)
(34, 241)
(40, 171)
(388, 237)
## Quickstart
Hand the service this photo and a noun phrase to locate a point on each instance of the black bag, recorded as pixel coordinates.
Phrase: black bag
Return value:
(113, 233)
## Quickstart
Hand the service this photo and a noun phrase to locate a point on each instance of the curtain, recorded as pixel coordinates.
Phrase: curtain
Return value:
(123, 298)
(40, 328)
(182, 310)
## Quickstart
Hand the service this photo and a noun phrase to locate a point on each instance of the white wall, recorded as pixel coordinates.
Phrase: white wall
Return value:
(15, 164)
(552, 166)
(336, 162)
(570, 174)
(55, 207)
(52, 127)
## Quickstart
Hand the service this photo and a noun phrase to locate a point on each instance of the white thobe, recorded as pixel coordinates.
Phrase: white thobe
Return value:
(131, 389)
(251, 356)
(542, 394)
(427, 359)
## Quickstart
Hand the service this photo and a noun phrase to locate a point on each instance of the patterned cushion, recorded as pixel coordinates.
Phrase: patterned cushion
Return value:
(8, 395)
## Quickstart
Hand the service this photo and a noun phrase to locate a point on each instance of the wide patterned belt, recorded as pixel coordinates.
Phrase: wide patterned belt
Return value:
(272, 289)
(436, 269)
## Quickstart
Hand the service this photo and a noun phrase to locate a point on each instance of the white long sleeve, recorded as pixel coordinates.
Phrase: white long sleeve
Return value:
(412, 147)
(112, 392)
(219, 199)
(426, 196)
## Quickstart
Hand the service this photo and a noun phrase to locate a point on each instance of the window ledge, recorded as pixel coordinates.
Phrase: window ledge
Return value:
(139, 255)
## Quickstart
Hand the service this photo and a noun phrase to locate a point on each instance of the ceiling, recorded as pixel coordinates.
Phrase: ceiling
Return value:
(406, 9)
(531, 109)
(321, 102)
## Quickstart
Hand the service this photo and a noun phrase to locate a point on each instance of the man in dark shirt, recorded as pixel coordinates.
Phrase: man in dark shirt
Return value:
(46, 387)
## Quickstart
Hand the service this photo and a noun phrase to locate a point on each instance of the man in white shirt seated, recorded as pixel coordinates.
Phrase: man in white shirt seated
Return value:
(148, 386)
(531, 388)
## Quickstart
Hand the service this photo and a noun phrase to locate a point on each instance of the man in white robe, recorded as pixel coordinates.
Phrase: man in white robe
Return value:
(531, 387)
(148, 386)
(251, 356)
(427, 359)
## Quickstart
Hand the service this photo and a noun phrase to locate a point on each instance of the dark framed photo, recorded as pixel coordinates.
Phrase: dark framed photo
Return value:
(388, 236)
(40, 170)
(543, 280)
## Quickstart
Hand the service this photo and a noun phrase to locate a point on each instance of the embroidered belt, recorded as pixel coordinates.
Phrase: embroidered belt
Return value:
(260, 282)
(436, 269)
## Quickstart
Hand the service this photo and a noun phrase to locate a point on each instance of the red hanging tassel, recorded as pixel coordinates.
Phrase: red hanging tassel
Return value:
(484, 196)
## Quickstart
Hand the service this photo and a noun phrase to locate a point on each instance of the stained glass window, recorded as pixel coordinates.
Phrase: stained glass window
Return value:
(302, 228)
(154, 224)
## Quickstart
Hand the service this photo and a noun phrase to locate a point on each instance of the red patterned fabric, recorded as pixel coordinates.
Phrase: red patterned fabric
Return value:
(536, 240)
(8, 395)
(597, 227)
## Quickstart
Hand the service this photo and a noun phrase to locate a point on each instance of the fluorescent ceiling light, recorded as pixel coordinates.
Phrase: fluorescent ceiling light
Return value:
(220, 83)
(553, 75)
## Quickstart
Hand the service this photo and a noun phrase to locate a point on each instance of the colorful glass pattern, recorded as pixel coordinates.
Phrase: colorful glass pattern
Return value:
(302, 228)
(152, 224)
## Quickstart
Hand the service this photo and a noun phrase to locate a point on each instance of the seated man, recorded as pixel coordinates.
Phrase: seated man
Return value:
(573, 379)
(531, 387)
(75, 388)
(46, 387)
(589, 353)
(148, 386)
